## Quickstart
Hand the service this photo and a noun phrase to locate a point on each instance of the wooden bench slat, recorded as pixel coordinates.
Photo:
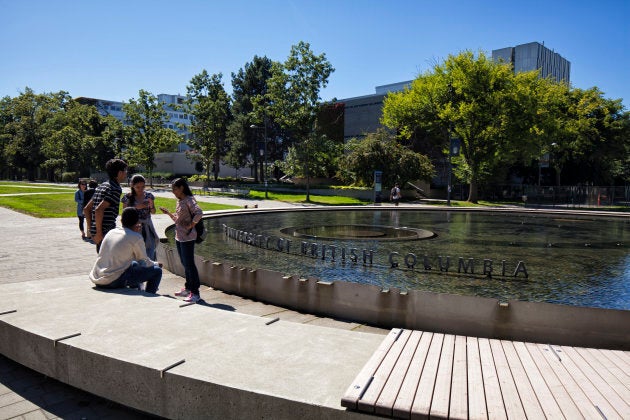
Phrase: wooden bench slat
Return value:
(617, 359)
(601, 391)
(558, 392)
(404, 400)
(476, 394)
(494, 397)
(587, 409)
(524, 386)
(424, 393)
(540, 391)
(357, 388)
(442, 390)
(416, 374)
(368, 401)
(458, 406)
(616, 378)
(511, 399)
(385, 402)
(624, 357)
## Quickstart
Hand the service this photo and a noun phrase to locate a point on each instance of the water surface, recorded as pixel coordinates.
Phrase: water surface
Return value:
(576, 260)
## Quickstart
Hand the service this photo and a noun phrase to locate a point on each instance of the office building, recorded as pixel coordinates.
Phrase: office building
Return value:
(535, 56)
(362, 114)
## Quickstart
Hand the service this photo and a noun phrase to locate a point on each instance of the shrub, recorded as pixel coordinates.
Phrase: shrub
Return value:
(197, 178)
(70, 177)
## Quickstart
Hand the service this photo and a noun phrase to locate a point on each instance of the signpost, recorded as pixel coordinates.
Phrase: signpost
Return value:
(378, 185)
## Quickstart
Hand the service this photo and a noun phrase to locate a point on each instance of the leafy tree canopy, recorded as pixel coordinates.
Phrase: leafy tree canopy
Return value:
(473, 98)
(209, 105)
(381, 151)
(145, 131)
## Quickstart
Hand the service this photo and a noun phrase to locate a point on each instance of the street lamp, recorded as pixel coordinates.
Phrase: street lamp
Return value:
(453, 150)
(263, 153)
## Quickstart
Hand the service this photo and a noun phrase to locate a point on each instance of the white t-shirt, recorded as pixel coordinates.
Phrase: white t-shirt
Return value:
(119, 248)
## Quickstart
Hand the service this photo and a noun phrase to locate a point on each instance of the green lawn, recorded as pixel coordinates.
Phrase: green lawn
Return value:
(59, 201)
(19, 188)
(334, 200)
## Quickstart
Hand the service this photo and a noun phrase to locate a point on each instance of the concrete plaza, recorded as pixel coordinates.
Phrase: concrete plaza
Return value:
(43, 277)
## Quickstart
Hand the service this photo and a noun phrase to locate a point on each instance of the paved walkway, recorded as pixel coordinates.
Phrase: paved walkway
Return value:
(33, 250)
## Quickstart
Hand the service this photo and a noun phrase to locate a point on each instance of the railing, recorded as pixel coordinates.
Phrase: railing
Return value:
(562, 196)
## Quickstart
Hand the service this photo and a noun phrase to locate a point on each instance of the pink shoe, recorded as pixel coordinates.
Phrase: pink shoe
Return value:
(183, 292)
(192, 298)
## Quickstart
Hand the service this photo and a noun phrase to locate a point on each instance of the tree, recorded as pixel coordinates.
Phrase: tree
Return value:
(23, 130)
(145, 132)
(239, 147)
(209, 105)
(321, 153)
(594, 137)
(472, 98)
(581, 131)
(248, 83)
(381, 151)
(293, 94)
(70, 139)
(6, 117)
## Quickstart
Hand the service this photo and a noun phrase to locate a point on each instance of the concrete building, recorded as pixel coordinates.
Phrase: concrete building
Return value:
(362, 114)
(535, 56)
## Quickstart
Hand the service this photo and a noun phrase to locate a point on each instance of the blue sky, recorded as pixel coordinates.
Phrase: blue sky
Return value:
(111, 49)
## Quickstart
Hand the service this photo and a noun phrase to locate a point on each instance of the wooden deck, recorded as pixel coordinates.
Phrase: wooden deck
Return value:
(416, 374)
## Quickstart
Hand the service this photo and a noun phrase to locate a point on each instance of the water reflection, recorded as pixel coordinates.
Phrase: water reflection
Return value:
(575, 260)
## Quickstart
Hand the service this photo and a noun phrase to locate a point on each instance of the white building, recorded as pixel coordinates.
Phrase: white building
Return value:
(173, 162)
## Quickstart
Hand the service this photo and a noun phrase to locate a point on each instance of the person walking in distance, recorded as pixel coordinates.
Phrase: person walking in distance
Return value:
(395, 195)
(87, 196)
(78, 198)
(187, 215)
(102, 210)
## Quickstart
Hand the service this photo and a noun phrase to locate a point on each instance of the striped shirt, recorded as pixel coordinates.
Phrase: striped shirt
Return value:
(109, 191)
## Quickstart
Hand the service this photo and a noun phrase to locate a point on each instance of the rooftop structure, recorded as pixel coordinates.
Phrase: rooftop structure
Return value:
(535, 56)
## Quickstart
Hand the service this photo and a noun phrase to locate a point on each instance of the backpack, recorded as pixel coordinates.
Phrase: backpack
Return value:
(200, 229)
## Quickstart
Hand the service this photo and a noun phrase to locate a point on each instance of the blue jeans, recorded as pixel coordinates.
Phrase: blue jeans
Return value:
(136, 274)
(186, 251)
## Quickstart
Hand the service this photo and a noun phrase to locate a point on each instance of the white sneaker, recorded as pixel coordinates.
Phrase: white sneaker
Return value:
(192, 298)
(183, 292)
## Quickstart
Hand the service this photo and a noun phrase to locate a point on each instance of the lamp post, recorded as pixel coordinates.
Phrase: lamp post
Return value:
(263, 153)
(453, 150)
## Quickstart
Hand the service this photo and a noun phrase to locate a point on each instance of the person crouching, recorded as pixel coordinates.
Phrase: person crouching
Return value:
(122, 259)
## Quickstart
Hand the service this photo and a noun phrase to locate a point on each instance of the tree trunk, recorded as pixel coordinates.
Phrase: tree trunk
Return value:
(217, 162)
(473, 193)
(558, 174)
(207, 182)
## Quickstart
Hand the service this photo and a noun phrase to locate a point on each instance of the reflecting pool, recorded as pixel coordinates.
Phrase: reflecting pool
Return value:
(578, 260)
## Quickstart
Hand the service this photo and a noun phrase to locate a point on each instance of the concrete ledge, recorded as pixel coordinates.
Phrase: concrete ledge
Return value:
(413, 309)
(235, 365)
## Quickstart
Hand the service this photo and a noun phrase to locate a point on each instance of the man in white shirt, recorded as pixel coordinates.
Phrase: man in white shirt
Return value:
(122, 259)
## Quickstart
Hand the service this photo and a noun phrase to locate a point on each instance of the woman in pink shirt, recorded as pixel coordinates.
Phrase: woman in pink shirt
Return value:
(187, 215)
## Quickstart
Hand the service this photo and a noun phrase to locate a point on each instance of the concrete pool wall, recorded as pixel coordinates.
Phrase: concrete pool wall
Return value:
(437, 312)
